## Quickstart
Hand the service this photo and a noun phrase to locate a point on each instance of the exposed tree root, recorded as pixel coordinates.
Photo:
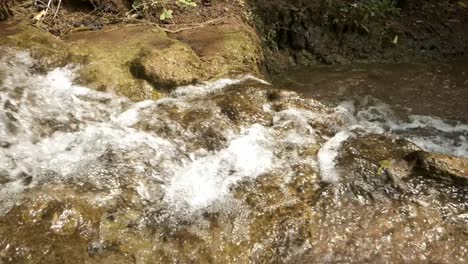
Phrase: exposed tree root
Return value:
(194, 26)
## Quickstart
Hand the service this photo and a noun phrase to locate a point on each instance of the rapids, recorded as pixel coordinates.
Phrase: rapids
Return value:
(232, 171)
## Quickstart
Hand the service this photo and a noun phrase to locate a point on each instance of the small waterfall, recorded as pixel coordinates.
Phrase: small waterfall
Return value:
(229, 171)
(56, 131)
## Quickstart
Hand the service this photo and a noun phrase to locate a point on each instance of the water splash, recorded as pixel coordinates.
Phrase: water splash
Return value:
(55, 131)
(209, 178)
(429, 133)
(327, 156)
(192, 179)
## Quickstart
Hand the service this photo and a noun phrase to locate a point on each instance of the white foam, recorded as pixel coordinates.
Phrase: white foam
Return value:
(419, 121)
(210, 87)
(327, 156)
(429, 133)
(347, 110)
(297, 120)
(208, 179)
(457, 147)
(131, 116)
(66, 133)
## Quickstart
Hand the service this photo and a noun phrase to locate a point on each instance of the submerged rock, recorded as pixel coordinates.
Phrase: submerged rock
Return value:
(232, 171)
(156, 181)
(35, 230)
(400, 169)
(379, 165)
(373, 161)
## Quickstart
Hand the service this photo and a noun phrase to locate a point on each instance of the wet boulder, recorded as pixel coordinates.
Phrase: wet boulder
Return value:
(378, 165)
(51, 226)
(374, 162)
(141, 61)
(48, 50)
(228, 49)
(106, 58)
(443, 166)
(132, 60)
(244, 105)
(172, 65)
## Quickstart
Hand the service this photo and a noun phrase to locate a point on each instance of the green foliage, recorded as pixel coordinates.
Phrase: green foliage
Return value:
(166, 14)
(160, 7)
(384, 165)
(270, 37)
(359, 13)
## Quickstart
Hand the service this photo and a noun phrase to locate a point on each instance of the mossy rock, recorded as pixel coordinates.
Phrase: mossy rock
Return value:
(444, 167)
(104, 56)
(48, 50)
(166, 67)
(225, 50)
(140, 61)
(107, 57)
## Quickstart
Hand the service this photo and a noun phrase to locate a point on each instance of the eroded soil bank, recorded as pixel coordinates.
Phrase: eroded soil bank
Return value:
(341, 32)
(291, 33)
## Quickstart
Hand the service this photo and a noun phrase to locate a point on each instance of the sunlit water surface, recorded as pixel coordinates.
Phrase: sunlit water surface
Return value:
(232, 171)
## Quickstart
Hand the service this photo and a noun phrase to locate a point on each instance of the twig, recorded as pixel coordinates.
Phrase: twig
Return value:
(58, 7)
(27, 4)
(47, 9)
(199, 25)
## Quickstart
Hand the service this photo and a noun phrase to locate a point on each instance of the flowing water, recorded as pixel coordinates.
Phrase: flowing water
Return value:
(422, 102)
(232, 171)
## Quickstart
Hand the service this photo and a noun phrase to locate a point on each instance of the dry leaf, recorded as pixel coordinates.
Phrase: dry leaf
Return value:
(40, 15)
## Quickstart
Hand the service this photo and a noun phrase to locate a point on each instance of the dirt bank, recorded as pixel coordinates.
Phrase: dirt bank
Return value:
(340, 32)
(293, 33)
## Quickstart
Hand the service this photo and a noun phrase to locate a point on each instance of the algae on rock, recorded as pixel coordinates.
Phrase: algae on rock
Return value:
(48, 50)
(224, 49)
(141, 61)
(167, 67)
(108, 56)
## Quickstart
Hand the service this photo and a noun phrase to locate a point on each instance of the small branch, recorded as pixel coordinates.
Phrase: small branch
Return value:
(27, 4)
(58, 7)
(47, 9)
(199, 25)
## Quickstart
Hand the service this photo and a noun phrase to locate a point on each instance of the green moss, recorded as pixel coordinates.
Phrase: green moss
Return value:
(384, 164)
(140, 61)
(109, 57)
(167, 67)
(48, 50)
(237, 52)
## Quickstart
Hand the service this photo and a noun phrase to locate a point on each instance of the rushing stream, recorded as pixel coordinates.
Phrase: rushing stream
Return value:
(232, 171)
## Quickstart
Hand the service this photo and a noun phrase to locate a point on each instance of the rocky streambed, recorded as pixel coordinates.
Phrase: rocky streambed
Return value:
(228, 171)
(129, 145)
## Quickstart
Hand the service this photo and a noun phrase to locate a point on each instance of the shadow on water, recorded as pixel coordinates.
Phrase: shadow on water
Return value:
(411, 89)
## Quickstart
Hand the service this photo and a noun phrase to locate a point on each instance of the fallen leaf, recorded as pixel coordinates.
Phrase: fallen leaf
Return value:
(40, 15)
